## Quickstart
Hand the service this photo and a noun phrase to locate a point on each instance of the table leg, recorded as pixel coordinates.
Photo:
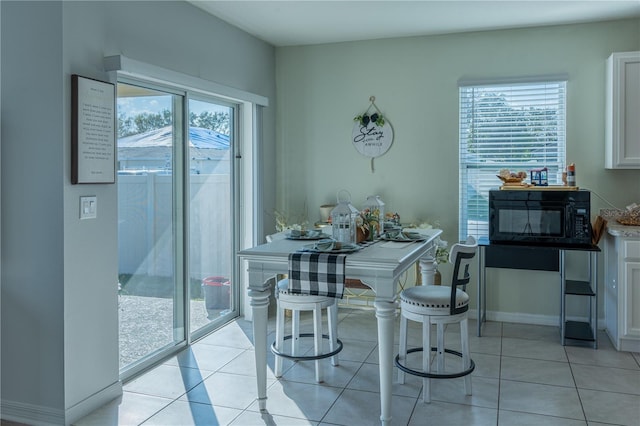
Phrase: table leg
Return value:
(259, 306)
(562, 296)
(593, 282)
(385, 313)
(481, 284)
(428, 267)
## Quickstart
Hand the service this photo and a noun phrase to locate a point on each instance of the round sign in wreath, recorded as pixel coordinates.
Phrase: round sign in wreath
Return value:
(372, 140)
(372, 135)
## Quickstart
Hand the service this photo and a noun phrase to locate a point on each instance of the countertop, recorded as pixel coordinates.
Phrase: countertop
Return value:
(617, 229)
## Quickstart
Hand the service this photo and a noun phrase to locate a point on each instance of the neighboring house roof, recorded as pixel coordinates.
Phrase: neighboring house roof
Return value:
(198, 138)
(156, 145)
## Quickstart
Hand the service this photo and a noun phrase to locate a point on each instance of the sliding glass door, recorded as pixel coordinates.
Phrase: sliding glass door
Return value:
(175, 220)
(210, 213)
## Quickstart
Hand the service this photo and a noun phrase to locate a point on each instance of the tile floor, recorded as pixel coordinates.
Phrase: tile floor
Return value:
(523, 376)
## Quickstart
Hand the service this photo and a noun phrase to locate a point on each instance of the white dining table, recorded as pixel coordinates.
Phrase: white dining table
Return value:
(378, 265)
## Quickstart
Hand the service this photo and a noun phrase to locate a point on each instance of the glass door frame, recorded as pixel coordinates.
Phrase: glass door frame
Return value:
(235, 224)
(180, 341)
(183, 336)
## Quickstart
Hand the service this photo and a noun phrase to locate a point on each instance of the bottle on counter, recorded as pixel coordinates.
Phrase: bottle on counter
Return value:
(571, 174)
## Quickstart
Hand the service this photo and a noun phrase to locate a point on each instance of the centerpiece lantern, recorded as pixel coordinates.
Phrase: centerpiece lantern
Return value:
(343, 219)
(375, 208)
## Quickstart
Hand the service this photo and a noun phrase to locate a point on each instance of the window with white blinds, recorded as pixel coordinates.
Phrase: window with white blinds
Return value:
(517, 126)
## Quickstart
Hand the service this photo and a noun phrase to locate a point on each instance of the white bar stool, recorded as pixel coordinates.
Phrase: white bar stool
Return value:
(439, 305)
(297, 303)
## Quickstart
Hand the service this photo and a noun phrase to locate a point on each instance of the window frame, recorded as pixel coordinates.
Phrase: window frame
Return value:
(552, 156)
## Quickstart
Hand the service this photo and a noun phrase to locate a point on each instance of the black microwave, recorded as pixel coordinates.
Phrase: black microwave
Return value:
(545, 217)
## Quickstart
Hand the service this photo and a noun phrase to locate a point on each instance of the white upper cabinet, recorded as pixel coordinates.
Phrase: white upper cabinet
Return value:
(622, 126)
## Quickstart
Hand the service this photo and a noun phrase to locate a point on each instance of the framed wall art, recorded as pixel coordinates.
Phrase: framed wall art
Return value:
(93, 131)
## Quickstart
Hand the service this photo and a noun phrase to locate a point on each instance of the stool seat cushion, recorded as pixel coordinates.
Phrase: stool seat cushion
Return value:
(432, 297)
(282, 290)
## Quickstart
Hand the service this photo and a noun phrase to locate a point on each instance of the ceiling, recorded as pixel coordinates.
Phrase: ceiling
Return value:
(303, 22)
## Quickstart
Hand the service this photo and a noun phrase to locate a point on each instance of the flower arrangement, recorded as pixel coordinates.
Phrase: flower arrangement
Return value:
(283, 223)
(365, 119)
(368, 221)
(392, 217)
(442, 252)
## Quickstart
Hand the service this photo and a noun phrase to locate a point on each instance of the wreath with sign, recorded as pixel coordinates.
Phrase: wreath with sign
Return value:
(372, 135)
(375, 118)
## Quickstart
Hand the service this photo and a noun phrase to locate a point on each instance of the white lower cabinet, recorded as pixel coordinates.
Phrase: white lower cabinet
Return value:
(622, 291)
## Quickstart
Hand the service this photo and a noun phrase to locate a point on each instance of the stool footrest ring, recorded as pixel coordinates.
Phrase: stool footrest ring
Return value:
(276, 352)
(435, 375)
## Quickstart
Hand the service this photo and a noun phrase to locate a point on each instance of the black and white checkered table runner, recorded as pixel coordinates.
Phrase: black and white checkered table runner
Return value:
(317, 274)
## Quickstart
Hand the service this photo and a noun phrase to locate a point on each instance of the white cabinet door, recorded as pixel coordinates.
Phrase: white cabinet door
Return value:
(622, 124)
(622, 292)
(629, 294)
(631, 319)
(611, 289)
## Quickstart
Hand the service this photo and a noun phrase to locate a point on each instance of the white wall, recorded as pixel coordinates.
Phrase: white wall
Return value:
(414, 80)
(59, 274)
(32, 206)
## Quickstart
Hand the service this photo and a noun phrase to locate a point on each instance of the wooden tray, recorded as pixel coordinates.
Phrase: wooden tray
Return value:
(518, 184)
(529, 187)
(629, 221)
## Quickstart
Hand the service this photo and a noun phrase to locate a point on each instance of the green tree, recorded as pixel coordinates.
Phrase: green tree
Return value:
(126, 126)
(217, 121)
(145, 122)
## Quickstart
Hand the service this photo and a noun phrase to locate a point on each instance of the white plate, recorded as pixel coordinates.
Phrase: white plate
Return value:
(346, 248)
(310, 235)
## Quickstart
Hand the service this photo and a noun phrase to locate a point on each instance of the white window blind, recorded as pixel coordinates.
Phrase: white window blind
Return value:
(516, 126)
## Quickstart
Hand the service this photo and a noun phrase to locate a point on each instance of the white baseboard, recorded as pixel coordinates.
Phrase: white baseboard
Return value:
(624, 344)
(30, 414)
(629, 345)
(93, 402)
(535, 319)
(517, 317)
(46, 416)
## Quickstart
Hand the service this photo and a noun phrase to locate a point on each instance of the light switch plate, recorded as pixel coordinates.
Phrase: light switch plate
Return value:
(88, 207)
